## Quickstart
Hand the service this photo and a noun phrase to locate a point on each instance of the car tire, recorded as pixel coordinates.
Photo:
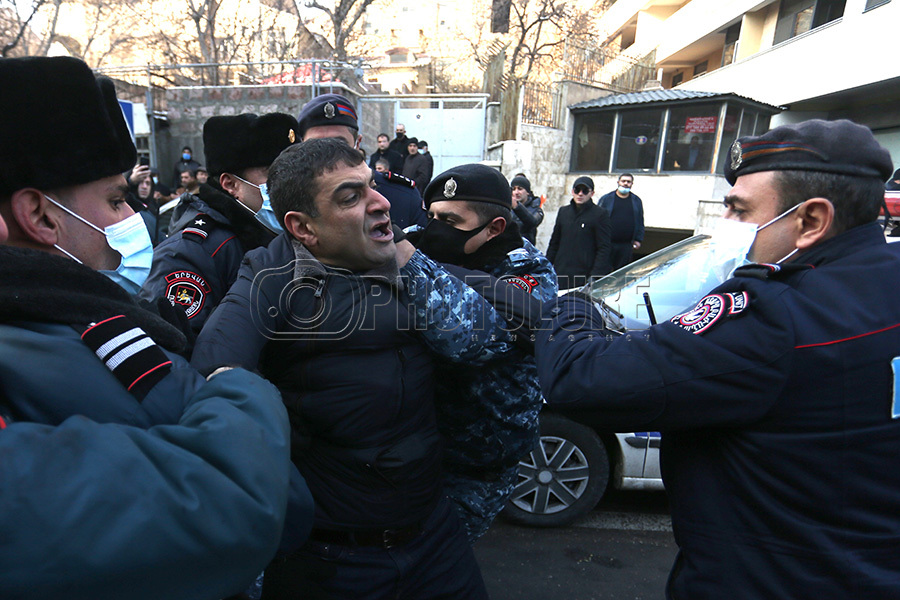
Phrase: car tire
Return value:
(562, 479)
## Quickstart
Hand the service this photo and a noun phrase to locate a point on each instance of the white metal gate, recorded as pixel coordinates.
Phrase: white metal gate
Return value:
(452, 124)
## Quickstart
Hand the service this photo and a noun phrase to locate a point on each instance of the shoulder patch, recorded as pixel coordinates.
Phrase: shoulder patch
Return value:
(198, 229)
(400, 179)
(132, 356)
(523, 282)
(187, 289)
(702, 317)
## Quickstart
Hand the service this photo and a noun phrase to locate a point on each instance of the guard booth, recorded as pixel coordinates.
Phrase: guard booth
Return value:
(452, 124)
(676, 144)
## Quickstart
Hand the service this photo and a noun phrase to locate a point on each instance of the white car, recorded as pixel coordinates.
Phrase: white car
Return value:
(578, 459)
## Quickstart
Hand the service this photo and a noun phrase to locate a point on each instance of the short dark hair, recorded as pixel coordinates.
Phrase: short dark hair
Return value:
(382, 135)
(383, 162)
(292, 177)
(188, 148)
(193, 172)
(857, 200)
(488, 211)
(626, 175)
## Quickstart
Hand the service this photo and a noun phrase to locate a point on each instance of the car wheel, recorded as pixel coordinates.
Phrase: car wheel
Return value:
(563, 478)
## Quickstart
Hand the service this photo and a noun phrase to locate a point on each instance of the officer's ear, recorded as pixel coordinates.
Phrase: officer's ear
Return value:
(229, 183)
(31, 220)
(496, 227)
(815, 216)
(302, 228)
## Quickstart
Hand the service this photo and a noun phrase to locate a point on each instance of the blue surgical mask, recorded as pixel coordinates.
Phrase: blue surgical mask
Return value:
(265, 215)
(128, 237)
(624, 190)
(186, 156)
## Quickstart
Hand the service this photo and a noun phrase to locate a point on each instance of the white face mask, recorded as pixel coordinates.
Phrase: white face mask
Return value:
(265, 214)
(130, 238)
(732, 241)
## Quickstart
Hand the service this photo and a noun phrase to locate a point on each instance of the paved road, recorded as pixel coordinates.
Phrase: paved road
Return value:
(622, 550)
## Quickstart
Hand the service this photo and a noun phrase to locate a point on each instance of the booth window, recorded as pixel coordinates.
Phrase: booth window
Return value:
(593, 141)
(638, 141)
(691, 138)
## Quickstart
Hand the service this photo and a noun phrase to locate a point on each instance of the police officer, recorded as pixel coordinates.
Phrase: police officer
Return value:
(333, 116)
(230, 215)
(487, 415)
(776, 395)
(121, 463)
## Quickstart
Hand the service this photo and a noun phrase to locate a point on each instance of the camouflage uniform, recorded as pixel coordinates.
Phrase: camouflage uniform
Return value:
(487, 414)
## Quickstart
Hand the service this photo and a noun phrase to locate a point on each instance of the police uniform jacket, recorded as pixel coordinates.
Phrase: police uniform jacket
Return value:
(195, 266)
(487, 414)
(355, 370)
(73, 344)
(580, 242)
(407, 208)
(777, 399)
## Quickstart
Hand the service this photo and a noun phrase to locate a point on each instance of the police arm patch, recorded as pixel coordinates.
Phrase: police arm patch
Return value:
(702, 317)
(738, 302)
(525, 283)
(187, 289)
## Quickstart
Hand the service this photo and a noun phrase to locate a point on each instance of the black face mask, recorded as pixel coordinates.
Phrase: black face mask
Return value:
(445, 243)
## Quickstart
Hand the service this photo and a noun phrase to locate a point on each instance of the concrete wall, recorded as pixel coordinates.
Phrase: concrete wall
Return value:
(190, 107)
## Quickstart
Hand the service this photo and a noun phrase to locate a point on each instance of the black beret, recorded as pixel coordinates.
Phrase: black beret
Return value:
(840, 147)
(412, 141)
(327, 109)
(585, 181)
(422, 144)
(522, 182)
(61, 126)
(473, 183)
(244, 141)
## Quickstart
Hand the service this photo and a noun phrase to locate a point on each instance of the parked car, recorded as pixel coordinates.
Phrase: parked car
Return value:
(578, 458)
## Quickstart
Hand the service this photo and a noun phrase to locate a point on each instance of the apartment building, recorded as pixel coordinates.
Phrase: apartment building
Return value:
(727, 68)
(817, 58)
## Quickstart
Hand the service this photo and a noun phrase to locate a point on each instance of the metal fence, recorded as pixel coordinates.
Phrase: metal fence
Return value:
(608, 67)
(148, 83)
(541, 104)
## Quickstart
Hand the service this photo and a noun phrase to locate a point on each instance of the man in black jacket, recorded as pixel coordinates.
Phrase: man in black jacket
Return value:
(395, 159)
(416, 166)
(580, 243)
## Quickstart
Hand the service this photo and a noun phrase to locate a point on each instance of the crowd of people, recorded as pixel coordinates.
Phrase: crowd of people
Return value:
(322, 379)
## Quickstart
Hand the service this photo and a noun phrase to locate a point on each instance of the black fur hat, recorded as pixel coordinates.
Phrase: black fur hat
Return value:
(233, 144)
(61, 125)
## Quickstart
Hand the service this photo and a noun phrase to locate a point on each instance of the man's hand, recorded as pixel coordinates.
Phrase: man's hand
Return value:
(138, 174)
(405, 250)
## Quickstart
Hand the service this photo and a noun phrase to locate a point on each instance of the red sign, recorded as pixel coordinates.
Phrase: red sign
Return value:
(700, 125)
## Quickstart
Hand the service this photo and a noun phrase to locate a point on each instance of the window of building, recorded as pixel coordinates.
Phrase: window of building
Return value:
(691, 137)
(729, 52)
(637, 145)
(870, 4)
(593, 141)
(677, 78)
(799, 16)
(700, 68)
(637, 141)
